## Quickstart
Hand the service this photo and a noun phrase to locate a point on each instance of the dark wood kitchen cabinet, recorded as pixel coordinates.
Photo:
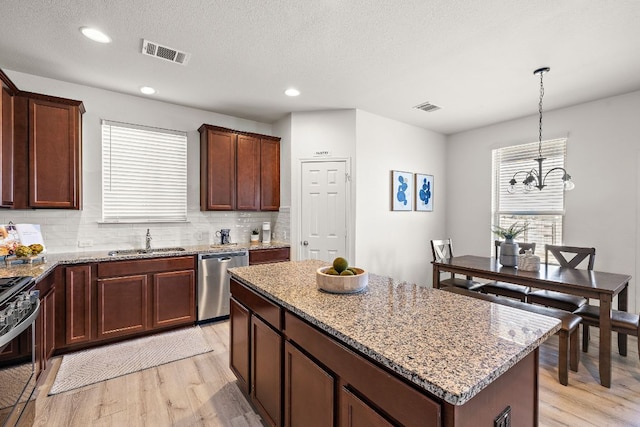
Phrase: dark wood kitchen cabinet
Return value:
(264, 256)
(309, 390)
(78, 307)
(238, 170)
(256, 357)
(122, 306)
(46, 341)
(113, 300)
(41, 150)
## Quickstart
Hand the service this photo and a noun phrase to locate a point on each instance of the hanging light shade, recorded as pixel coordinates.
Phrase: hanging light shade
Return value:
(534, 177)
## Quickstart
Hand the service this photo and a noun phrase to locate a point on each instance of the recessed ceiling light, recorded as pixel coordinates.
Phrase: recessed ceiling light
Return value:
(292, 92)
(147, 90)
(95, 35)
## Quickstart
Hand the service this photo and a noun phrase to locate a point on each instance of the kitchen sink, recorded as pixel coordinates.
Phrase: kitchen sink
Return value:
(144, 251)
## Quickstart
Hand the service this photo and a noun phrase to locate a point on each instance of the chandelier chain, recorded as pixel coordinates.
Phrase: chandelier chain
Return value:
(540, 119)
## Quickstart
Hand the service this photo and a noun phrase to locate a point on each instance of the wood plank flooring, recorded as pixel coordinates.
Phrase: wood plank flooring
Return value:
(201, 391)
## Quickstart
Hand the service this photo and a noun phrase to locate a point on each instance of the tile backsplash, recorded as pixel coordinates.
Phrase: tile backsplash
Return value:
(80, 231)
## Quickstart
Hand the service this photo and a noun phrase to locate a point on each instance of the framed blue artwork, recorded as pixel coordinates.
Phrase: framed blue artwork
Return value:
(424, 192)
(401, 191)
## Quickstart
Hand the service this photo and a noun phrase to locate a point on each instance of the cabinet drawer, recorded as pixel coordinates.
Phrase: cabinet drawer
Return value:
(263, 256)
(382, 392)
(268, 311)
(146, 266)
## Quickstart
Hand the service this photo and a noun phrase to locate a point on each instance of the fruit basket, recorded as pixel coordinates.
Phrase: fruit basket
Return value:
(342, 284)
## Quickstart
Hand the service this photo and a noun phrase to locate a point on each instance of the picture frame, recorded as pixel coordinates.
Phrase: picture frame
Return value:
(401, 191)
(424, 192)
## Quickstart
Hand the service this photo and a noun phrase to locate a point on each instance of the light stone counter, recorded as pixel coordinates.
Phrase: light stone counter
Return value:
(450, 345)
(40, 269)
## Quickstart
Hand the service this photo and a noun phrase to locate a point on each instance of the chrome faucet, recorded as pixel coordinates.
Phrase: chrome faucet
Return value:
(148, 245)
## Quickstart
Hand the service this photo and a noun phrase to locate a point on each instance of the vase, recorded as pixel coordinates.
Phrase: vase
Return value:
(509, 253)
(255, 238)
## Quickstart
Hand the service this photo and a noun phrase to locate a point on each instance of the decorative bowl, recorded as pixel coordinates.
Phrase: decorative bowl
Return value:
(341, 284)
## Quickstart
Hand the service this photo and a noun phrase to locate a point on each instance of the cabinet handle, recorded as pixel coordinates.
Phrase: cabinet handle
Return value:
(305, 243)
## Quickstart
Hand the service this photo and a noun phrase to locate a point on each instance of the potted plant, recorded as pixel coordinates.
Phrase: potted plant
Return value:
(509, 249)
(255, 234)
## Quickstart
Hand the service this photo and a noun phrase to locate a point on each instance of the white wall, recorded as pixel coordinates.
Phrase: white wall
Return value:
(388, 243)
(602, 157)
(333, 131)
(396, 244)
(62, 229)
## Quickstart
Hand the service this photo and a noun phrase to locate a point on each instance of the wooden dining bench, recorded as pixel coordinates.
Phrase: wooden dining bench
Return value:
(568, 354)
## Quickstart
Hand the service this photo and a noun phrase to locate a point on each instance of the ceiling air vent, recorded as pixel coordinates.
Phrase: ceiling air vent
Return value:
(164, 52)
(428, 107)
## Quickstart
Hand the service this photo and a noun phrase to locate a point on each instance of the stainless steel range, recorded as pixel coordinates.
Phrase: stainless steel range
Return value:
(19, 308)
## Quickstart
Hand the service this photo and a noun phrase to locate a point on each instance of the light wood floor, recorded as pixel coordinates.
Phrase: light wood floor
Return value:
(201, 391)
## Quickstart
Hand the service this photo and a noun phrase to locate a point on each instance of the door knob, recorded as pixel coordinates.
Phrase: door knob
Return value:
(305, 243)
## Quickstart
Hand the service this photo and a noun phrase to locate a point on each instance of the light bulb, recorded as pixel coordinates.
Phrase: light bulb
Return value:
(511, 189)
(569, 185)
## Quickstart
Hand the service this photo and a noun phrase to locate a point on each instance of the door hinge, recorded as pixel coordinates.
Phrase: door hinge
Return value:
(347, 177)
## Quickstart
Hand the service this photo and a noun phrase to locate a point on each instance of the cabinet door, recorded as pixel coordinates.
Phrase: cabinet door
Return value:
(174, 300)
(78, 289)
(356, 413)
(240, 319)
(217, 170)
(54, 155)
(269, 175)
(266, 371)
(264, 256)
(308, 391)
(122, 306)
(6, 143)
(48, 328)
(247, 173)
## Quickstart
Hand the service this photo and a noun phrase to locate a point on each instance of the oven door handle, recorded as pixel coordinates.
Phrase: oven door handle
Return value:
(21, 326)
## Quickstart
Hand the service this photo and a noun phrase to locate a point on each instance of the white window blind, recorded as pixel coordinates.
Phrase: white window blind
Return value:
(542, 209)
(144, 173)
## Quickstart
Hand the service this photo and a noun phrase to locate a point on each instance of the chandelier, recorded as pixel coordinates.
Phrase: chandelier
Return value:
(534, 178)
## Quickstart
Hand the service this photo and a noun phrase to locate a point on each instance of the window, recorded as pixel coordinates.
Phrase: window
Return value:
(144, 174)
(542, 210)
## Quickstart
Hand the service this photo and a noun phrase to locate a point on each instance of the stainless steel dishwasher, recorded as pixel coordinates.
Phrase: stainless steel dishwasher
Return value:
(213, 283)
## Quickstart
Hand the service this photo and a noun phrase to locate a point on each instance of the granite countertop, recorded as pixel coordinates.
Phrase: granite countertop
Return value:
(40, 269)
(448, 344)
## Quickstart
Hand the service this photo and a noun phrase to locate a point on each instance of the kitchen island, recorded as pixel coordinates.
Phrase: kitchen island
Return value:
(395, 354)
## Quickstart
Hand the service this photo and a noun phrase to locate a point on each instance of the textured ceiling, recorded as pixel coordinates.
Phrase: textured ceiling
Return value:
(474, 59)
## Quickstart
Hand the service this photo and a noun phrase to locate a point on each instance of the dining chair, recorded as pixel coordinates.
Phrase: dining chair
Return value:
(559, 299)
(443, 249)
(621, 322)
(509, 289)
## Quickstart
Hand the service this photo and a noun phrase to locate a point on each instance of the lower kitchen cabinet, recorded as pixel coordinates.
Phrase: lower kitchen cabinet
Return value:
(308, 391)
(266, 371)
(78, 307)
(354, 412)
(264, 256)
(240, 319)
(174, 298)
(122, 306)
(256, 351)
(48, 320)
(312, 379)
(117, 299)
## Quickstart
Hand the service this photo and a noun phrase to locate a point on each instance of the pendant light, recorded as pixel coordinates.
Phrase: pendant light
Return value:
(534, 178)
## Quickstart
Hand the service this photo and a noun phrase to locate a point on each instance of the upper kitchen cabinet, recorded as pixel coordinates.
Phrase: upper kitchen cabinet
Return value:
(238, 170)
(42, 152)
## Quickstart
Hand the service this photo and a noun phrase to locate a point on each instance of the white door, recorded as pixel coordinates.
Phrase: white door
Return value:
(323, 212)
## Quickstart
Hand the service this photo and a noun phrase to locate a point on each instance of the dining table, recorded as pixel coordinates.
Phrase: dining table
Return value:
(598, 285)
